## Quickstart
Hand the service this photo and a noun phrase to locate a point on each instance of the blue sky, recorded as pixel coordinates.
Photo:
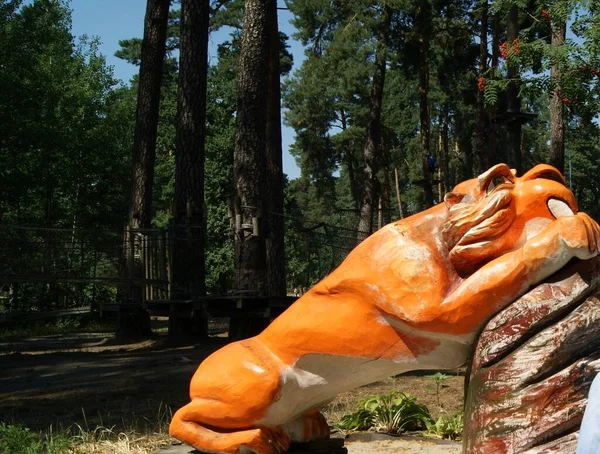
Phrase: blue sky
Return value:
(114, 20)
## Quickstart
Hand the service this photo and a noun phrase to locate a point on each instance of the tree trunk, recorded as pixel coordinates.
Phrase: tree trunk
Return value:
(480, 146)
(423, 23)
(513, 102)
(146, 120)
(444, 152)
(274, 243)
(492, 110)
(373, 143)
(349, 160)
(250, 145)
(136, 323)
(386, 193)
(190, 219)
(188, 252)
(557, 109)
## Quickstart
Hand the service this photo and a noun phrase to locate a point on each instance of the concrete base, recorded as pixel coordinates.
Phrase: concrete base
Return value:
(331, 446)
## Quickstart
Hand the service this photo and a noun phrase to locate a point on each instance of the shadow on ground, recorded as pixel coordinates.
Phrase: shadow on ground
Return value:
(87, 379)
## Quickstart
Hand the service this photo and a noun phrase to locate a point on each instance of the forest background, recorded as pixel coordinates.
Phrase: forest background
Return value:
(393, 104)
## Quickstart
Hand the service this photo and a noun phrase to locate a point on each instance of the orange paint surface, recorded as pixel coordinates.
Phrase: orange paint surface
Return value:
(413, 293)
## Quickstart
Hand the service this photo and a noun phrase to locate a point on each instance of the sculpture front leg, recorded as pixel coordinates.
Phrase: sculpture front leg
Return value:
(506, 278)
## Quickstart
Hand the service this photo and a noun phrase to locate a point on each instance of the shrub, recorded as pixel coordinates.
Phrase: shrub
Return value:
(392, 413)
(18, 440)
(15, 439)
(447, 426)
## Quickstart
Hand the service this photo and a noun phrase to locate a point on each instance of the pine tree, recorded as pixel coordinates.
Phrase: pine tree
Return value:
(144, 154)
(557, 110)
(190, 225)
(250, 145)
(372, 151)
(274, 235)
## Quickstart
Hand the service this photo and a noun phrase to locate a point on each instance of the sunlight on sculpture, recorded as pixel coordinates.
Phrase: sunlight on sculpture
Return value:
(411, 296)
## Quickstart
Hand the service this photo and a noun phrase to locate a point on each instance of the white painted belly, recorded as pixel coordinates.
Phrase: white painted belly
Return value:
(316, 379)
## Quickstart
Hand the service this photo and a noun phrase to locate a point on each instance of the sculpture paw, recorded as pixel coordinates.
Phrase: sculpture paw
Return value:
(270, 440)
(587, 244)
(315, 426)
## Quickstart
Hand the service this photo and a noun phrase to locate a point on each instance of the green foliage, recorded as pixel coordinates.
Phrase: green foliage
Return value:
(18, 440)
(439, 379)
(391, 413)
(447, 426)
(15, 439)
(61, 123)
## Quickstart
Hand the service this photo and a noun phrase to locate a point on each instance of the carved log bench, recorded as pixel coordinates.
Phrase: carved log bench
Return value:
(532, 367)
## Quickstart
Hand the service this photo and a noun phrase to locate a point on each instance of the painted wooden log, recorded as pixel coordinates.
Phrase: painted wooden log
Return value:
(533, 365)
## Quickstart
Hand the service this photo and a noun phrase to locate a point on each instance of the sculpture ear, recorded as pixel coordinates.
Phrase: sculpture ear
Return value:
(452, 198)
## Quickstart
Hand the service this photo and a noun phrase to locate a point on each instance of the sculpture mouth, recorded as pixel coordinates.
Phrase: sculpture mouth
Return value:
(559, 208)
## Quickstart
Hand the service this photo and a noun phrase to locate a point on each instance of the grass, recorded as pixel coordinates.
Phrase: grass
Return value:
(62, 325)
(142, 436)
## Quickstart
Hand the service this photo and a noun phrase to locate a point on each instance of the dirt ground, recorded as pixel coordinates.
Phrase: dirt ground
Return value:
(89, 380)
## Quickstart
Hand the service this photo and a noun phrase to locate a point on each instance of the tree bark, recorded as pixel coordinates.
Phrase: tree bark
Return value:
(480, 146)
(137, 323)
(349, 160)
(444, 151)
(492, 110)
(386, 193)
(250, 148)
(274, 239)
(146, 120)
(190, 226)
(513, 102)
(557, 108)
(423, 23)
(373, 144)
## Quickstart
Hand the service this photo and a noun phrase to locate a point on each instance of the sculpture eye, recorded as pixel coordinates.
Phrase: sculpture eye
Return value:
(495, 182)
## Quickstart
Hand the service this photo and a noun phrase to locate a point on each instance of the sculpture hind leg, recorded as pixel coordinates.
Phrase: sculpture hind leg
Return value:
(231, 392)
(187, 425)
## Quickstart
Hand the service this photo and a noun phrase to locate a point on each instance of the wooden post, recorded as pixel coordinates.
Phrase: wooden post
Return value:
(169, 264)
(440, 195)
(398, 198)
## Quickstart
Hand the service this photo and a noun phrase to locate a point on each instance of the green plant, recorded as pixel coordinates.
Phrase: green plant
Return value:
(439, 379)
(56, 443)
(18, 440)
(447, 426)
(15, 439)
(392, 413)
(361, 419)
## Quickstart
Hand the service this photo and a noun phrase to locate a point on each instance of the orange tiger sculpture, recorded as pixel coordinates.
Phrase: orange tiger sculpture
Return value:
(411, 296)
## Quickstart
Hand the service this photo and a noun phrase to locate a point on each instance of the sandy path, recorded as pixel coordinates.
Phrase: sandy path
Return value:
(402, 446)
(374, 444)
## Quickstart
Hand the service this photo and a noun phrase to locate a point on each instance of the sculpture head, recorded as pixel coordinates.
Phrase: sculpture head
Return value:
(497, 212)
